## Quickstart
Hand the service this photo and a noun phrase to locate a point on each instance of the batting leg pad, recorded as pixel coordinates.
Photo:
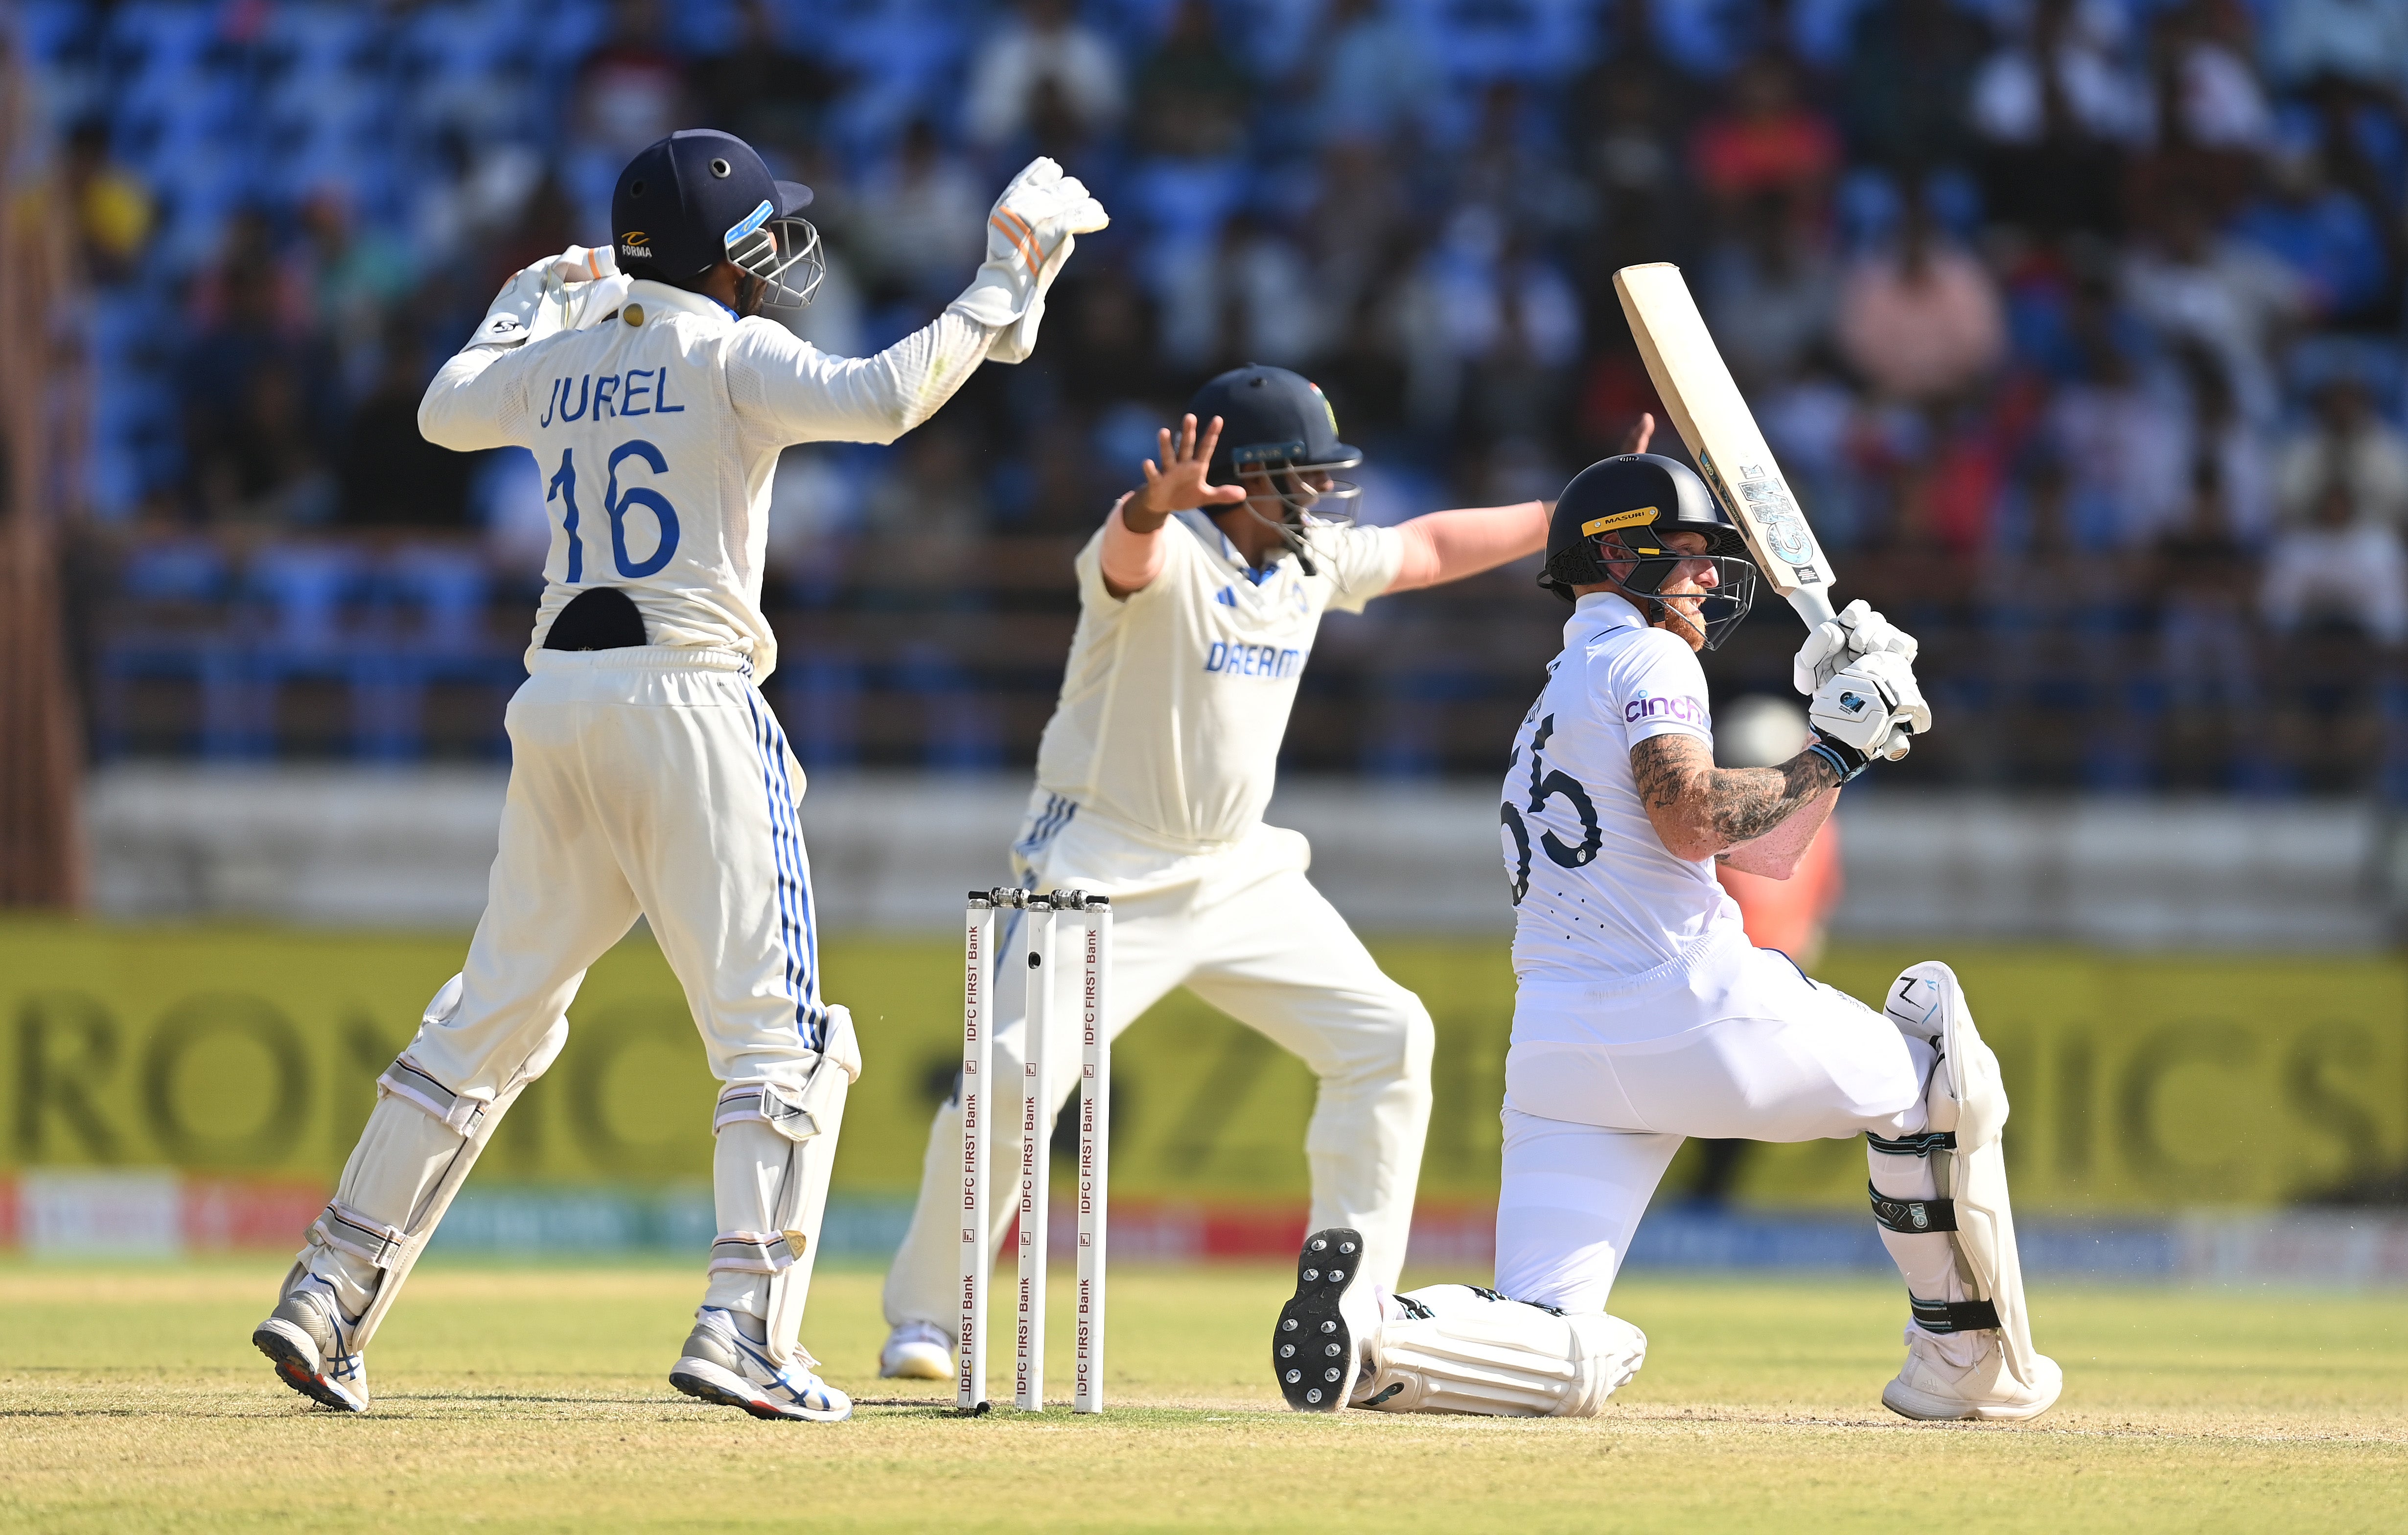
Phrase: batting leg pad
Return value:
(770, 1175)
(1459, 1349)
(422, 1139)
(1967, 1100)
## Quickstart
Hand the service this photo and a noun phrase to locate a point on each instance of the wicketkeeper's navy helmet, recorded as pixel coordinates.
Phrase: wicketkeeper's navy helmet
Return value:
(1610, 526)
(698, 198)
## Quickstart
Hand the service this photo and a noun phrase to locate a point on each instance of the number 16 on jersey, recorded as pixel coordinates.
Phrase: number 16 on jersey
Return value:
(1697, 389)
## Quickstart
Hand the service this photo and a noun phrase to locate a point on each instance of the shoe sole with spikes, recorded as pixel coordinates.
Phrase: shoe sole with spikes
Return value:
(296, 1358)
(1317, 1350)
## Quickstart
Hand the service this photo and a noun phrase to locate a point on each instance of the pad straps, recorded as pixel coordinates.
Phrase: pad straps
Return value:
(1953, 1315)
(756, 1252)
(346, 1229)
(1914, 1145)
(1912, 1217)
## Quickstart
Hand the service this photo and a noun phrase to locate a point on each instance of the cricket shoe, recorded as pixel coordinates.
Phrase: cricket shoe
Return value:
(307, 1339)
(1931, 1389)
(721, 1364)
(916, 1351)
(1324, 1330)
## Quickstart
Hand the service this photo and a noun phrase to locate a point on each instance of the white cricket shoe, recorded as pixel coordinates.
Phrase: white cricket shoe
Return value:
(916, 1351)
(722, 1364)
(1317, 1349)
(1929, 1387)
(308, 1341)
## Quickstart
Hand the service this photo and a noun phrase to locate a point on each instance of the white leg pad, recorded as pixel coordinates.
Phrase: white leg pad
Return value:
(421, 1140)
(1968, 1104)
(1464, 1350)
(769, 1177)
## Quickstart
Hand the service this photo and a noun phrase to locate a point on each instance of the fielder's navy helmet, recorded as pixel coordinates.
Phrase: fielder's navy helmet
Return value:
(1616, 512)
(1271, 418)
(687, 202)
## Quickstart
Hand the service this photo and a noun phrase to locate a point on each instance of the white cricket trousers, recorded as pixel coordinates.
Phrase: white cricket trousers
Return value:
(655, 781)
(1246, 931)
(652, 781)
(1590, 1126)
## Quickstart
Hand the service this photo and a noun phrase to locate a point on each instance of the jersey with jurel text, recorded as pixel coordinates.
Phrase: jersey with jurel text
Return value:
(1597, 898)
(658, 432)
(1174, 701)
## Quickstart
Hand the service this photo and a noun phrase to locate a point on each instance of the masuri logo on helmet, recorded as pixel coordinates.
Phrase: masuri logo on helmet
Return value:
(1594, 539)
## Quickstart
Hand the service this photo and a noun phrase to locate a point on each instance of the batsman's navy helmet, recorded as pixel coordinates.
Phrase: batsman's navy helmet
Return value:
(687, 202)
(1271, 418)
(1616, 512)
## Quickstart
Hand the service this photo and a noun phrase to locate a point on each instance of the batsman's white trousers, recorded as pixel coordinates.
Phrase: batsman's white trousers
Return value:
(650, 781)
(1590, 1126)
(1242, 928)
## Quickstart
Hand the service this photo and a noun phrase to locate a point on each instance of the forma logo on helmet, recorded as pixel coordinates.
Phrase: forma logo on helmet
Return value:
(698, 198)
(1645, 526)
(1278, 440)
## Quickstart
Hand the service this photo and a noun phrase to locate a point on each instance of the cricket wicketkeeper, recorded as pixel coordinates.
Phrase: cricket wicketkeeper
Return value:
(648, 775)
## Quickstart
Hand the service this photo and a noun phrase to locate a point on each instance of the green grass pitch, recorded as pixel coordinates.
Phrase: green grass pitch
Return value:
(535, 1400)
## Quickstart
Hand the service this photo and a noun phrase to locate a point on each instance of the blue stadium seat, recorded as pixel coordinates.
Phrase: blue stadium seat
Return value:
(962, 732)
(820, 701)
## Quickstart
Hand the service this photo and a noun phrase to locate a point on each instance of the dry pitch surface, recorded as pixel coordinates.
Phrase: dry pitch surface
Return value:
(535, 1400)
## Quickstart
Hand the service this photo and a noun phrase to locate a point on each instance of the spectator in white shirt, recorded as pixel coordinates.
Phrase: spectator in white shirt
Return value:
(2340, 571)
(1045, 45)
(2349, 443)
(2094, 95)
(2192, 286)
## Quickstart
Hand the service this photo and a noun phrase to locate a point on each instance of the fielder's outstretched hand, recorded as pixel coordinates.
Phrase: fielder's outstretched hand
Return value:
(1179, 483)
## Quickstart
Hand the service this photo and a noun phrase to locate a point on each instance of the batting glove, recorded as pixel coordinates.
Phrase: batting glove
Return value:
(566, 291)
(1869, 709)
(1030, 233)
(1834, 643)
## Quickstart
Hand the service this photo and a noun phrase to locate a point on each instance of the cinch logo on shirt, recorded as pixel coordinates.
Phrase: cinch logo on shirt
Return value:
(1686, 710)
(649, 386)
(1240, 660)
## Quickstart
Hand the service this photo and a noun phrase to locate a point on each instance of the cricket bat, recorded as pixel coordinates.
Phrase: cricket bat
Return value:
(1697, 387)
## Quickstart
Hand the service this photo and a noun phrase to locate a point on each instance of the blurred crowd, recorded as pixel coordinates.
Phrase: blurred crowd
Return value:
(2076, 323)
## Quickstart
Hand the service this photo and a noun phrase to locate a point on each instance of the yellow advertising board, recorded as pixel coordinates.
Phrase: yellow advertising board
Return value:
(2140, 1083)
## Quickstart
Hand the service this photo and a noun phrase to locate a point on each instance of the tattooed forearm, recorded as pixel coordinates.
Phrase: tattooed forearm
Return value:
(1700, 809)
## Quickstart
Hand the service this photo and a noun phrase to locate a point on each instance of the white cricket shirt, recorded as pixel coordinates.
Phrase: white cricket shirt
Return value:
(1602, 907)
(1174, 701)
(657, 438)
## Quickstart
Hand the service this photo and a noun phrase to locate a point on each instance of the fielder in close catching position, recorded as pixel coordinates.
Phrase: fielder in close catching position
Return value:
(648, 775)
(1642, 1014)
(1199, 599)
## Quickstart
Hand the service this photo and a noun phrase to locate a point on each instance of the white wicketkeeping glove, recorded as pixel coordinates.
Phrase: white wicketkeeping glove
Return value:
(1872, 707)
(1859, 630)
(566, 291)
(1030, 234)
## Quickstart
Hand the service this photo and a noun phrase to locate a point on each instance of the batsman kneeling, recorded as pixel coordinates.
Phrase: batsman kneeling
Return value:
(648, 775)
(1642, 1015)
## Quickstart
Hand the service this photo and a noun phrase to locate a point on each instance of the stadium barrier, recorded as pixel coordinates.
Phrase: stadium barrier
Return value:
(336, 845)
